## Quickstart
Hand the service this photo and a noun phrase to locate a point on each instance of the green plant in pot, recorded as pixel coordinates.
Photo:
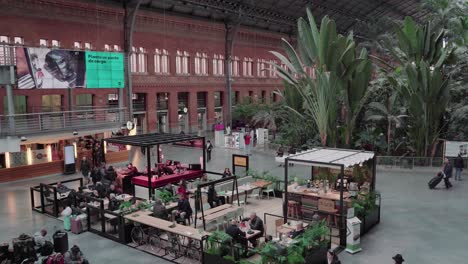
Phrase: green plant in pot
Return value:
(165, 196)
(218, 243)
(125, 207)
(269, 253)
(364, 204)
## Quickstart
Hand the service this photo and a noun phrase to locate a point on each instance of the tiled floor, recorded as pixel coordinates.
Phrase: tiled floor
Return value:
(426, 226)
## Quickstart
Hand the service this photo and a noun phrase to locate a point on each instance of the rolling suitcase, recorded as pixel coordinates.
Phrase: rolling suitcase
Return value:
(76, 225)
(434, 181)
(60, 242)
(66, 223)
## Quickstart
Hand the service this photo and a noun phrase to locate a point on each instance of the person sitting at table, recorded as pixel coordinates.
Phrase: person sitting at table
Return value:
(167, 170)
(111, 175)
(132, 170)
(182, 189)
(179, 168)
(280, 152)
(184, 210)
(113, 190)
(227, 173)
(99, 190)
(114, 203)
(298, 231)
(214, 198)
(238, 236)
(255, 223)
(159, 210)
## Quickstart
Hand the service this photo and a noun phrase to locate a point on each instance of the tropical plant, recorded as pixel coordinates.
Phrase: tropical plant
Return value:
(267, 119)
(364, 204)
(164, 196)
(218, 243)
(269, 253)
(246, 110)
(388, 113)
(338, 74)
(422, 55)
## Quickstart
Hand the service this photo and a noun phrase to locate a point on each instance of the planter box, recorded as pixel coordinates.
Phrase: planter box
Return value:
(370, 220)
(210, 258)
(317, 256)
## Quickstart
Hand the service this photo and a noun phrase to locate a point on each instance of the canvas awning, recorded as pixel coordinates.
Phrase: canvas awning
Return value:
(330, 157)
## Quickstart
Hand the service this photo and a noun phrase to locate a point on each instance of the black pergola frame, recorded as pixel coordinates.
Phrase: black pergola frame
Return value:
(199, 200)
(147, 141)
(332, 164)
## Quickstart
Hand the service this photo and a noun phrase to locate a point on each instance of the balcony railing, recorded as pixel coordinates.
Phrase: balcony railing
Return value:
(45, 122)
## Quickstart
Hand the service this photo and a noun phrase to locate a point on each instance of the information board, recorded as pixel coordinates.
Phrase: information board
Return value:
(44, 68)
(104, 70)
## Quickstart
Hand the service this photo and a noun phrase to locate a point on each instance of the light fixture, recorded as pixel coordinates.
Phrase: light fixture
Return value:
(23, 138)
(75, 132)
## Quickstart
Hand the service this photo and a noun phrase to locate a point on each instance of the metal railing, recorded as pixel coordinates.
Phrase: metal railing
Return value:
(411, 162)
(45, 122)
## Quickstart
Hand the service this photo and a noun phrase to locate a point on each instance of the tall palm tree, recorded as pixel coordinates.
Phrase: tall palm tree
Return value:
(388, 113)
(424, 86)
(336, 64)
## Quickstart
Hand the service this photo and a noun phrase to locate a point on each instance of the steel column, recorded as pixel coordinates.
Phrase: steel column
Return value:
(129, 26)
(231, 30)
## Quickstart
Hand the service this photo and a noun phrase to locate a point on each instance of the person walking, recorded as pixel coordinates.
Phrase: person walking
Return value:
(447, 170)
(209, 148)
(458, 164)
(247, 139)
(85, 167)
(398, 259)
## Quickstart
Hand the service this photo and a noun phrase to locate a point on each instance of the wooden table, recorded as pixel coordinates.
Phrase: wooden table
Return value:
(293, 224)
(261, 183)
(331, 195)
(215, 210)
(249, 236)
(186, 231)
(216, 215)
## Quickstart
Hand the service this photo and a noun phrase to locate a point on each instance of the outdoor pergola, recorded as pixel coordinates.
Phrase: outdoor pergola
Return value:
(330, 158)
(147, 141)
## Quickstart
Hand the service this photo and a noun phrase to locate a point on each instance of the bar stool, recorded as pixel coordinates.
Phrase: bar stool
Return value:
(294, 209)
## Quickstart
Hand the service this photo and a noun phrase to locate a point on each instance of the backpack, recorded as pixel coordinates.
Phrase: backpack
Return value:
(47, 249)
(55, 259)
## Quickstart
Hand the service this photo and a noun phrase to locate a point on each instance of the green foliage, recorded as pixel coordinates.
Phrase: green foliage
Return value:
(125, 206)
(246, 110)
(165, 196)
(218, 243)
(143, 206)
(424, 86)
(364, 204)
(342, 74)
(314, 238)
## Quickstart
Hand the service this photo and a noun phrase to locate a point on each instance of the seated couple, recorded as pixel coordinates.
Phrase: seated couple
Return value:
(181, 214)
(255, 223)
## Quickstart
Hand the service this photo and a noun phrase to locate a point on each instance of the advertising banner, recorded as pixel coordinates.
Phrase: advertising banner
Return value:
(44, 68)
(453, 148)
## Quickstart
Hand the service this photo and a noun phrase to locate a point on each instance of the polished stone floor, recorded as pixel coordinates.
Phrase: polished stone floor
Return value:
(425, 226)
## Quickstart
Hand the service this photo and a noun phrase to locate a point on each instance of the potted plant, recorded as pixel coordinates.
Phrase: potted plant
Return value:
(165, 196)
(218, 248)
(367, 210)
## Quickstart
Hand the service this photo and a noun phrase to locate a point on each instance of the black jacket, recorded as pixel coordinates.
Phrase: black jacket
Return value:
(235, 232)
(256, 224)
(458, 163)
(448, 170)
(184, 206)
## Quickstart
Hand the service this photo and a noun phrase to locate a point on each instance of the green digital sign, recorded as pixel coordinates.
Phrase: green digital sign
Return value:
(104, 70)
